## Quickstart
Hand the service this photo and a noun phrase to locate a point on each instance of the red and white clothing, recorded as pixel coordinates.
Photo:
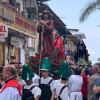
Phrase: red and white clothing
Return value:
(11, 91)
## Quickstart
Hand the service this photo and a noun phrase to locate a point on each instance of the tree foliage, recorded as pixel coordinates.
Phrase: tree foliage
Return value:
(90, 8)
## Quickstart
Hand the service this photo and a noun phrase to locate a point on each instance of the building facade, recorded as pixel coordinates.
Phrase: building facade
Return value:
(20, 28)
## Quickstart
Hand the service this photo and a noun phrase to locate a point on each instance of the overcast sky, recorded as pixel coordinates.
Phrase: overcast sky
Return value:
(69, 12)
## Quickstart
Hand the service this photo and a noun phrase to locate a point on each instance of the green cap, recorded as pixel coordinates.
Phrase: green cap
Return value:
(64, 71)
(45, 64)
(27, 73)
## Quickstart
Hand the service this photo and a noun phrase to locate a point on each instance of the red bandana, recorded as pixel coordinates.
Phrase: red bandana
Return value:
(12, 83)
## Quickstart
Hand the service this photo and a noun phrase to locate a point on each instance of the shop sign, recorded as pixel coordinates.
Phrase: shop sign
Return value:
(14, 40)
(31, 52)
(3, 30)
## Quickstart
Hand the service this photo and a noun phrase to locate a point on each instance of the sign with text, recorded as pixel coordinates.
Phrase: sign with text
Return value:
(3, 30)
(14, 40)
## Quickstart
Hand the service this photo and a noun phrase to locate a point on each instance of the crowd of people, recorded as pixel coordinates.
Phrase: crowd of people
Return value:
(75, 83)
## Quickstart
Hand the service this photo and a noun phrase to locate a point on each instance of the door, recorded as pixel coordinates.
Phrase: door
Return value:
(2, 53)
(17, 54)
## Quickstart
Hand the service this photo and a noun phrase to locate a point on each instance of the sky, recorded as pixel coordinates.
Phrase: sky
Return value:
(69, 12)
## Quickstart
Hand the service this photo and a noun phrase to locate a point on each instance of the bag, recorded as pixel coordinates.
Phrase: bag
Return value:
(27, 94)
(59, 98)
(46, 91)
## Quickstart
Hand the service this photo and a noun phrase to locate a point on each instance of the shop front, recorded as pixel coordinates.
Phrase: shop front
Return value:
(3, 36)
(16, 50)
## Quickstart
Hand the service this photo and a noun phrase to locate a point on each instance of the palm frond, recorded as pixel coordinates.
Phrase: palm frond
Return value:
(91, 7)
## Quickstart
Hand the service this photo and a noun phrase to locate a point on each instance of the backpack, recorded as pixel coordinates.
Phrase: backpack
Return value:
(27, 94)
(59, 98)
(46, 91)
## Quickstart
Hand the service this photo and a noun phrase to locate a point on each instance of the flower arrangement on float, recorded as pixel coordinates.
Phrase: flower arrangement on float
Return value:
(82, 63)
(55, 61)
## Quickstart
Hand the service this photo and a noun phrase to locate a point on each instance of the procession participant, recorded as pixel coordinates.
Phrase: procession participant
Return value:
(62, 91)
(75, 85)
(92, 82)
(72, 66)
(18, 76)
(96, 88)
(47, 84)
(13, 60)
(3, 67)
(84, 74)
(12, 89)
(48, 38)
(29, 91)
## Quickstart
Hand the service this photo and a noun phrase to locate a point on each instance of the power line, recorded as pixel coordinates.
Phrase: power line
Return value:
(93, 40)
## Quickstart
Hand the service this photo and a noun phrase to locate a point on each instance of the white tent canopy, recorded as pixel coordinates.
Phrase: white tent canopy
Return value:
(78, 34)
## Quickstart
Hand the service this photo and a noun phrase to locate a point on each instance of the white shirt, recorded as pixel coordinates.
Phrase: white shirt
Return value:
(35, 79)
(47, 80)
(36, 91)
(10, 93)
(65, 93)
(21, 82)
(75, 83)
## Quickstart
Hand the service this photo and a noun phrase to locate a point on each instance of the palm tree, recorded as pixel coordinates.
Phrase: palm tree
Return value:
(92, 6)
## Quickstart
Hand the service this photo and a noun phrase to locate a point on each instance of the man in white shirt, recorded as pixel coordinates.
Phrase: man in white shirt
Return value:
(75, 83)
(12, 89)
(30, 90)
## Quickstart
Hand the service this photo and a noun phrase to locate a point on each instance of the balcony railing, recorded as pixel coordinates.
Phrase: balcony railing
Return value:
(14, 19)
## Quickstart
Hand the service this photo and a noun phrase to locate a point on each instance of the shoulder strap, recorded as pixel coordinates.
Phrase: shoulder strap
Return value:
(50, 81)
(62, 89)
(32, 87)
(39, 81)
(23, 86)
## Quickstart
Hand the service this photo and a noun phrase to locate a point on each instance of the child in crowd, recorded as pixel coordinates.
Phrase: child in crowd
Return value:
(30, 91)
(47, 84)
(62, 91)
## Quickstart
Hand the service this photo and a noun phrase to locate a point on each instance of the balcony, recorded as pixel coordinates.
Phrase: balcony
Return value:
(15, 20)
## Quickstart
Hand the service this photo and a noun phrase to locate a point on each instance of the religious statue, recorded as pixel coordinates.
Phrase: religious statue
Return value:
(45, 29)
(59, 47)
(81, 50)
